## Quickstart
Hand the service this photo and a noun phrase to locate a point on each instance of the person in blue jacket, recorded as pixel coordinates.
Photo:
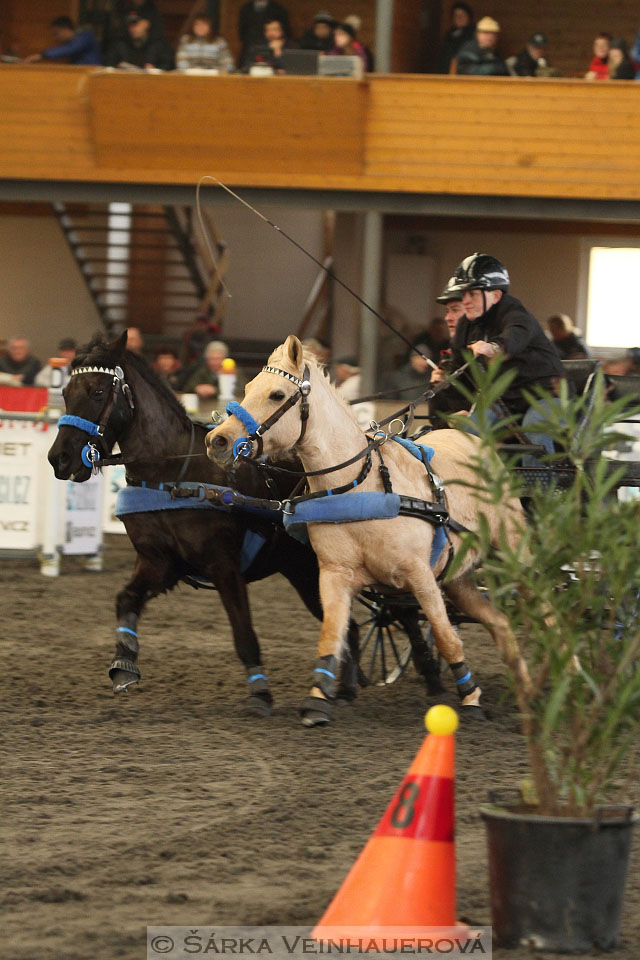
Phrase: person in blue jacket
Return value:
(72, 46)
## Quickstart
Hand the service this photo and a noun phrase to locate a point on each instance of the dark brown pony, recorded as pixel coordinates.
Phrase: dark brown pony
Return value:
(155, 436)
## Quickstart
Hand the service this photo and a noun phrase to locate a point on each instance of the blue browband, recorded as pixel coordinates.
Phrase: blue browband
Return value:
(68, 420)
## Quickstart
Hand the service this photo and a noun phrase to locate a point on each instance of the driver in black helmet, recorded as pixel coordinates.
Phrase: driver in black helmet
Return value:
(496, 323)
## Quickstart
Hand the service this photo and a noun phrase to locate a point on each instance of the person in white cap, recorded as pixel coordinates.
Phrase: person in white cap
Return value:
(480, 56)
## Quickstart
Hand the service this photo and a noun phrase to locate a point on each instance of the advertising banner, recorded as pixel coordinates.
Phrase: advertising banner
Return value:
(23, 444)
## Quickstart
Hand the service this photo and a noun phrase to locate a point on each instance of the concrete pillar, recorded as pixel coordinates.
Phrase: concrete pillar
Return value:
(371, 282)
(384, 35)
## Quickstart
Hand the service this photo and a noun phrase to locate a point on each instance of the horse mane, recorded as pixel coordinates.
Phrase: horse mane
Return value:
(99, 351)
(279, 356)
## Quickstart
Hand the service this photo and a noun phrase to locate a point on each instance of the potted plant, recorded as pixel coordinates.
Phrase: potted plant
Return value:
(570, 590)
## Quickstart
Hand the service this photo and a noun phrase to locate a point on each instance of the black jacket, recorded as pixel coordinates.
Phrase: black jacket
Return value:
(477, 61)
(155, 50)
(453, 40)
(251, 21)
(527, 348)
(525, 65)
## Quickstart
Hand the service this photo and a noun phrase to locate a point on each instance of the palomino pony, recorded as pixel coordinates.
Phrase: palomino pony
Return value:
(114, 396)
(393, 552)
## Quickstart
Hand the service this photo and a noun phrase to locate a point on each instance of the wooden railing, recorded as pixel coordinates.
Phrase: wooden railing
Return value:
(405, 133)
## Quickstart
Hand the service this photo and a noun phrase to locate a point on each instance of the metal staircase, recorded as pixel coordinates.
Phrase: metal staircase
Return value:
(147, 266)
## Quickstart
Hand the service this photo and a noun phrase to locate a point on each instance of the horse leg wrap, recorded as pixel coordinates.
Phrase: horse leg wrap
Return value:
(258, 683)
(316, 710)
(260, 701)
(465, 683)
(127, 636)
(124, 669)
(325, 676)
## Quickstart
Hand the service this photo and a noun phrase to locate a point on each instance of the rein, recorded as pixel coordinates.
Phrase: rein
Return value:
(403, 415)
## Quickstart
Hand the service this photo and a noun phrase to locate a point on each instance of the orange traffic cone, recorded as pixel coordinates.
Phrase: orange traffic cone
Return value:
(405, 876)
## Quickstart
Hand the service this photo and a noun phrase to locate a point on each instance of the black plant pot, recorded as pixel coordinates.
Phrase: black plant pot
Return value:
(557, 883)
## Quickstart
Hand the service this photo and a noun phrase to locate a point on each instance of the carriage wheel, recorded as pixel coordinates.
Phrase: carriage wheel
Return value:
(385, 644)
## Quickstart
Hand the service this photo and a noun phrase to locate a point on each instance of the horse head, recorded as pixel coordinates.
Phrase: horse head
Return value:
(273, 416)
(99, 408)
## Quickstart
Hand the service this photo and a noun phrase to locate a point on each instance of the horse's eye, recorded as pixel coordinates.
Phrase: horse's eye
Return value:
(277, 395)
(97, 394)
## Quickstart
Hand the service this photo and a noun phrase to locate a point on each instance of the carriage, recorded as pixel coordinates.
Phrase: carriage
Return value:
(393, 627)
(394, 632)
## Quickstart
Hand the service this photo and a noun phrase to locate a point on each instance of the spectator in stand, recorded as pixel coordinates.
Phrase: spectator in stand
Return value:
(635, 54)
(140, 48)
(251, 22)
(66, 350)
(435, 337)
(18, 365)
(167, 366)
(319, 36)
(275, 37)
(628, 365)
(599, 66)
(135, 341)
(461, 31)
(346, 45)
(532, 61)
(620, 66)
(414, 372)
(204, 379)
(202, 332)
(356, 23)
(72, 46)
(202, 49)
(116, 28)
(479, 57)
(566, 337)
(347, 380)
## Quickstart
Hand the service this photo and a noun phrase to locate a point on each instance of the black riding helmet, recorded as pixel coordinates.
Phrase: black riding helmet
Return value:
(480, 271)
(450, 292)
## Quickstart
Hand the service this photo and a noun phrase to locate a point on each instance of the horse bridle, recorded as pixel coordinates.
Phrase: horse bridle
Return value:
(91, 454)
(251, 445)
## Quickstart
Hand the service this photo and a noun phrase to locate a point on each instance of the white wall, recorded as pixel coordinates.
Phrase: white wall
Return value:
(43, 294)
(269, 279)
(543, 266)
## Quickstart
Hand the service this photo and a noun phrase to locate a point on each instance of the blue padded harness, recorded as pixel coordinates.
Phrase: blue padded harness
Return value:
(150, 500)
(349, 508)
(419, 450)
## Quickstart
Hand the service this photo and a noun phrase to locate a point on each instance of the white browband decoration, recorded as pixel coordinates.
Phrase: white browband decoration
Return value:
(116, 372)
(283, 373)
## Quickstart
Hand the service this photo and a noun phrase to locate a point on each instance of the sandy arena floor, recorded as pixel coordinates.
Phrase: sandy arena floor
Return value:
(170, 805)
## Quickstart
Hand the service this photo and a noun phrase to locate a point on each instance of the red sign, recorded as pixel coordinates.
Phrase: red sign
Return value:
(23, 399)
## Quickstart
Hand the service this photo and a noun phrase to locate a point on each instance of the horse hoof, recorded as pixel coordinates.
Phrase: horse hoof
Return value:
(434, 686)
(259, 707)
(473, 712)
(315, 712)
(123, 679)
(123, 672)
(345, 696)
